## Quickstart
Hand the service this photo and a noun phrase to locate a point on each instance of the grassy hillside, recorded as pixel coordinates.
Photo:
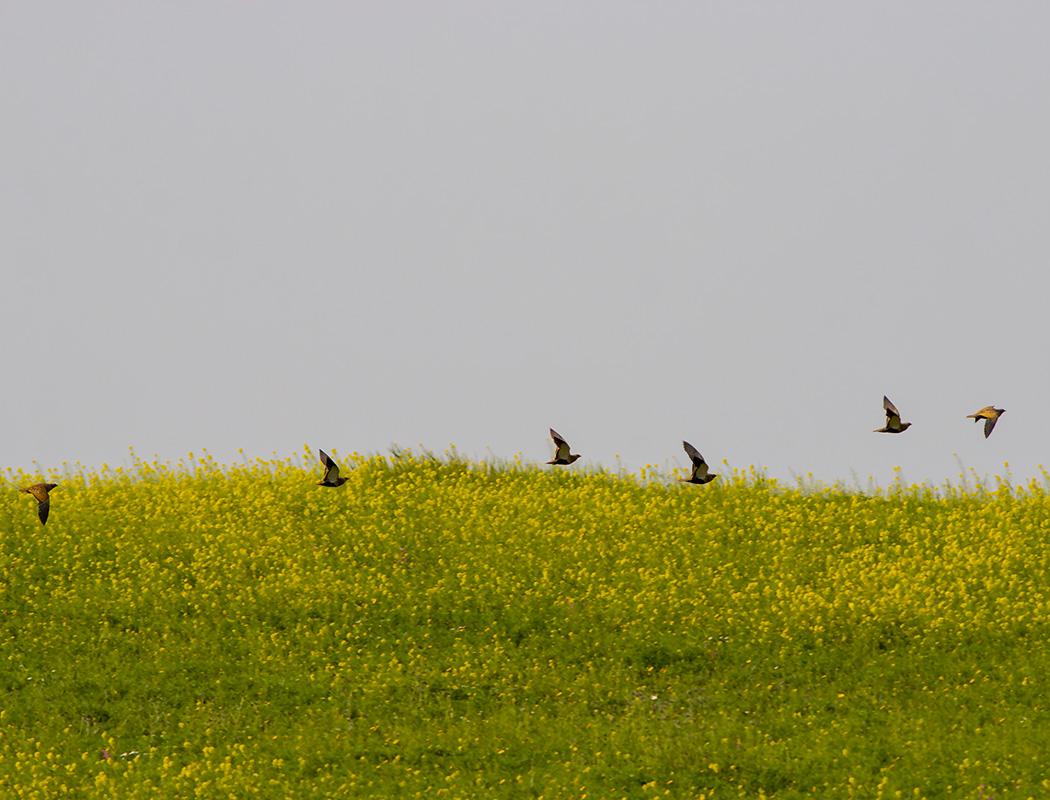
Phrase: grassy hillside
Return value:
(446, 629)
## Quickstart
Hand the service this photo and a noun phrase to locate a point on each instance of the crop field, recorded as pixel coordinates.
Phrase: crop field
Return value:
(442, 628)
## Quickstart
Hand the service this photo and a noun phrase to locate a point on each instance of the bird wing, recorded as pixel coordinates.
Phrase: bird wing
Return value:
(331, 469)
(42, 509)
(699, 465)
(891, 410)
(561, 446)
(989, 423)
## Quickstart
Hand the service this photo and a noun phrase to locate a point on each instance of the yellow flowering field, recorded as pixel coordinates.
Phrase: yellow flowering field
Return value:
(443, 628)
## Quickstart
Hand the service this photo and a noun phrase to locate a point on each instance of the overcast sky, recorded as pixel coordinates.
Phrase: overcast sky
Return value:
(257, 225)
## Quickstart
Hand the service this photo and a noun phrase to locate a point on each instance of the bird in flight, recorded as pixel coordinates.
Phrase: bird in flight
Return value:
(990, 415)
(39, 491)
(893, 418)
(331, 472)
(699, 474)
(561, 455)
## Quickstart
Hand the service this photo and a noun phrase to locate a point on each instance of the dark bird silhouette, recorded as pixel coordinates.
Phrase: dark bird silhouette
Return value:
(39, 491)
(331, 472)
(699, 474)
(893, 418)
(990, 415)
(561, 454)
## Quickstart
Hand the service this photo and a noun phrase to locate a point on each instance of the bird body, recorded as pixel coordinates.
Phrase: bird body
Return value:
(893, 418)
(331, 472)
(40, 492)
(700, 473)
(561, 454)
(990, 415)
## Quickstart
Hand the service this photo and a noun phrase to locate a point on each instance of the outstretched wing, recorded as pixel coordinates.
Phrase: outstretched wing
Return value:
(331, 469)
(561, 452)
(893, 416)
(42, 510)
(989, 423)
(699, 465)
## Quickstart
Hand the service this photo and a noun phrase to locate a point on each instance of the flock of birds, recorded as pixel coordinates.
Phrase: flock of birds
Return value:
(990, 415)
(699, 474)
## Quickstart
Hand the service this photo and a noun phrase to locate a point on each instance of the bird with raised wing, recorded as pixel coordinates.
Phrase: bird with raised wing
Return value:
(893, 418)
(40, 492)
(990, 415)
(700, 472)
(561, 454)
(331, 472)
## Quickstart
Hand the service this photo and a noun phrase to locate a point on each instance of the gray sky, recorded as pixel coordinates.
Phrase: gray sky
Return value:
(254, 225)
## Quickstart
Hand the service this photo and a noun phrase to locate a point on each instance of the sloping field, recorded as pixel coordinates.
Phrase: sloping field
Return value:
(436, 628)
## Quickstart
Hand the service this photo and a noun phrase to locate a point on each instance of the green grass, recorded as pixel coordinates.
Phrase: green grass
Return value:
(447, 629)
